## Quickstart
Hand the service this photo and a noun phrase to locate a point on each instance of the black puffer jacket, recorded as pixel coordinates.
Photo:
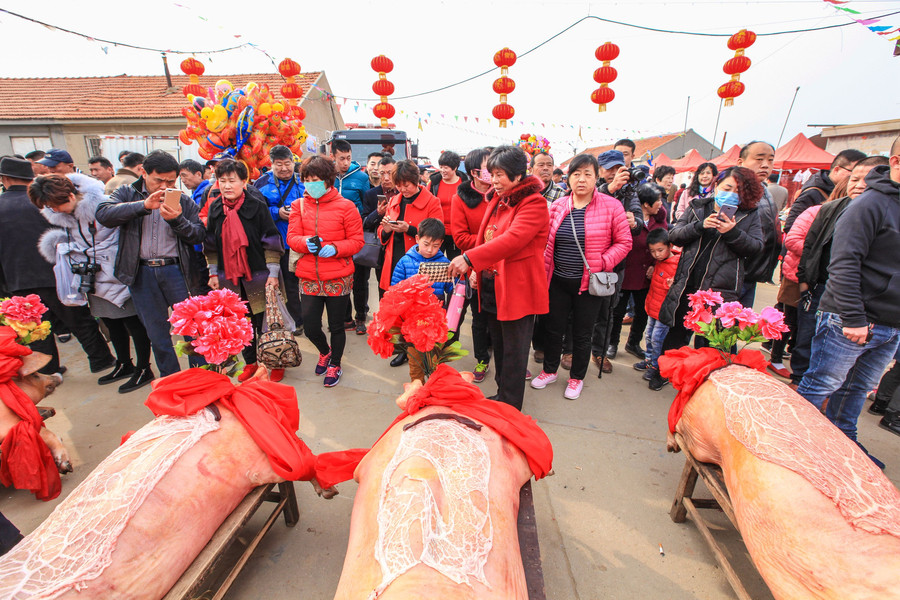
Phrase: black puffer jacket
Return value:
(815, 191)
(724, 272)
(760, 267)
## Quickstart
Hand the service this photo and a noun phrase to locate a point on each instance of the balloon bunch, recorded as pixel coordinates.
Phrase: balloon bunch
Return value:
(243, 123)
(533, 144)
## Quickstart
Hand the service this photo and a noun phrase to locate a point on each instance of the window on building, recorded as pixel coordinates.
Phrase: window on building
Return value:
(94, 146)
(24, 145)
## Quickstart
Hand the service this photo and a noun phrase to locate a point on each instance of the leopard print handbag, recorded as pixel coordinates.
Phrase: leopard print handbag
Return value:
(277, 348)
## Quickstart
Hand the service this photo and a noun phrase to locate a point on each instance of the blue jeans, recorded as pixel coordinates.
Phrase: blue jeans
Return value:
(806, 328)
(155, 290)
(654, 337)
(843, 371)
(748, 294)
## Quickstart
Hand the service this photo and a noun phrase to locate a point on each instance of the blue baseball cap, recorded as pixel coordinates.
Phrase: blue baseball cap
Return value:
(611, 158)
(54, 156)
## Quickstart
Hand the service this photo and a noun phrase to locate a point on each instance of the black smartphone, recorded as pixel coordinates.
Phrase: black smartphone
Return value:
(729, 210)
(382, 199)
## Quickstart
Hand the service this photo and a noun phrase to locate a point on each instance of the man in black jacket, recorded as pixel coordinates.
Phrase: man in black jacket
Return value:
(759, 158)
(858, 327)
(26, 272)
(819, 187)
(155, 246)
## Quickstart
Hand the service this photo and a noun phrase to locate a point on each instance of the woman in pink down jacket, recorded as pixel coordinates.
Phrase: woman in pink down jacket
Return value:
(585, 222)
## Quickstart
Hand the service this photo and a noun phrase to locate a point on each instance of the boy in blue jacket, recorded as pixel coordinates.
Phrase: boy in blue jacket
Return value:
(429, 238)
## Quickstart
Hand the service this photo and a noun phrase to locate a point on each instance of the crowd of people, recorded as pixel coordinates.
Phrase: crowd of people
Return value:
(554, 261)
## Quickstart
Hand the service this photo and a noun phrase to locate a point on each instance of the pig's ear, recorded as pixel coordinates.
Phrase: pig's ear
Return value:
(468, 376)
(32, 363)
(409, 390)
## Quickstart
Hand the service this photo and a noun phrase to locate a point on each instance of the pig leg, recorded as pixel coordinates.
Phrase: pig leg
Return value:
(58, 450)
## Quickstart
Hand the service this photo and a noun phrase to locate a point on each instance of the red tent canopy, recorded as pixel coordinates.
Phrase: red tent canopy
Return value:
(662, 160)
(689, 162)
(729, 159)
(800, 153)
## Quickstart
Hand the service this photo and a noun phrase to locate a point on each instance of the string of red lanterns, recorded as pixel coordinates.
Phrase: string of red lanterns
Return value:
(740, 41)
(605, 75)
(504, 85)
(193, 68)
(383, 88)
(289, 69)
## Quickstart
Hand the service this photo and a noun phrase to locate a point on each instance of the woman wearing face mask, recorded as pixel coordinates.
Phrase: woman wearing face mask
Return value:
(701, 187)
(326, 230)
(715, 247)
(243, 249)
(70, 203)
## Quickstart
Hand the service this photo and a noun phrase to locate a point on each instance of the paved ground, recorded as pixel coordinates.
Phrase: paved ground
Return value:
(601, 517)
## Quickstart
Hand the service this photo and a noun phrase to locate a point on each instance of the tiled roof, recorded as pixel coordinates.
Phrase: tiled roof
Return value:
(119, 97)
(641, 146)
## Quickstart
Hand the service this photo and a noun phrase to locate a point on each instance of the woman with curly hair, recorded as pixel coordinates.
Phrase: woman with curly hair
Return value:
(715, 247)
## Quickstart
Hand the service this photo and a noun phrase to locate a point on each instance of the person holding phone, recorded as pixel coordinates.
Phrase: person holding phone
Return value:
(717, 235)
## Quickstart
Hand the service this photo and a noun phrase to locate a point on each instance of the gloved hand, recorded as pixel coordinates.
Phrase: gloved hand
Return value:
(312, 246)
(327, 251)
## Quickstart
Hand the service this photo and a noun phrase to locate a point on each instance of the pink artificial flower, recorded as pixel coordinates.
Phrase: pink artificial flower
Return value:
(699, 315)
(729, 312)
(24, 309)
(771, 323)
(747, 317)
(704, 298)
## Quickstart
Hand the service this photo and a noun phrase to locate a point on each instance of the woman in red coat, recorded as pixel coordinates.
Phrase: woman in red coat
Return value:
(326, 230)
(509, 263)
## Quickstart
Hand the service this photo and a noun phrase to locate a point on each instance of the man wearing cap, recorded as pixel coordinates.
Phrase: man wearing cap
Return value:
(26, 271)
(59, 161)
(155, 249)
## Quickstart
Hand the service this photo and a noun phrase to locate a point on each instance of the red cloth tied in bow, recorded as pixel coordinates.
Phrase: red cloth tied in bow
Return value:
(234, 241)
(687, 369)
(27, 463)
(446, 387)
(267, 410)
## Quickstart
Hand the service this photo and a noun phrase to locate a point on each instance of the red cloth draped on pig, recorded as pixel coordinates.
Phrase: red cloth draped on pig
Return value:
(267, 410)
(27, 462)
(447, 388)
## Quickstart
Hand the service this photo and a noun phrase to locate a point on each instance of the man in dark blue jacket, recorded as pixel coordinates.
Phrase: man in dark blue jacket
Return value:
(858, 326)
(281, 186)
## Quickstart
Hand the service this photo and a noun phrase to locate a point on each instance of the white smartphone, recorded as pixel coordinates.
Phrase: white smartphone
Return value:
(173, 197)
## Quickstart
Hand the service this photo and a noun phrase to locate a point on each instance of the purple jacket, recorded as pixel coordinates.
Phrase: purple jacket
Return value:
(607, 238)
(639, 260)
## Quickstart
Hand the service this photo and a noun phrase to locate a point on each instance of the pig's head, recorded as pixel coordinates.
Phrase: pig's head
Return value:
(36, 385)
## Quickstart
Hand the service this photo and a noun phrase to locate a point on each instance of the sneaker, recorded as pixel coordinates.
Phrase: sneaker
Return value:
(139, 379)
(527, 374)
(322, 365)
(276, 375)
(349, 325)
(573, 389)
(635, 351)
(657, 381)
(627, 319)
(647, 374)
(64, 337)
(248, 372)
(566, 362)
(481, 371)
(539, 356)
(361, 327)
(298, 331)
(612, 351)
(543, 380)
(641, 365)
(332, 376)
(779, 370)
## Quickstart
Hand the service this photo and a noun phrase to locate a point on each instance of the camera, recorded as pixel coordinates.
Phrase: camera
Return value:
(636, 174)
(87, 271)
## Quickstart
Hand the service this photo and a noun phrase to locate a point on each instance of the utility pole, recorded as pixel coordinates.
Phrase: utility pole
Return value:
(788, 116)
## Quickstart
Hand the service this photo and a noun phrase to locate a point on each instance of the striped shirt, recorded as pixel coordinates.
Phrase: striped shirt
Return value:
(567, 261)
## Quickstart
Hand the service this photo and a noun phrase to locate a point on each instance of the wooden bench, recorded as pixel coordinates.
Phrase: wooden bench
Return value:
(191, 582)
(528, 545)
(685, 504)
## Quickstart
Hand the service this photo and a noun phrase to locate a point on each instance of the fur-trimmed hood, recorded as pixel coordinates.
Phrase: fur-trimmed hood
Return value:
(469, 195)
(91, 191)
(529, 186)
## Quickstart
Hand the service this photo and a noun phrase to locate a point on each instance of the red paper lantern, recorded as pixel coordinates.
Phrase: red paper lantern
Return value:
(384, 111)
(602, 96)
(741, 40)
(731, 90)
(505, 58)
(605, 75)
(503, 112)
(382, 64)
(504, 85)
(736, 65)
(291, 91)
(383, 87)
(289, 68)
(194, 88)
(192, 66)
(298, 112)
(607, 52)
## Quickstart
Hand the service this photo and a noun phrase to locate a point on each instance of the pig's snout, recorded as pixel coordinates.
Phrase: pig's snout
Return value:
(50, 383)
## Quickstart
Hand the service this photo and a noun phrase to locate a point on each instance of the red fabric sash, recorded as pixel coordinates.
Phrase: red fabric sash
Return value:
(687, 369)
(267, 410)
(446, 387)
(27, 463)
(234, 242)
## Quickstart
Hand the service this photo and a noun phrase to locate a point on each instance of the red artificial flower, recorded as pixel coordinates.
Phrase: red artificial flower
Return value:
(771, 323)
(412, 307)
(426, 326)
(704, 298)
(217, 323)
(379, 339)
(699, 315)
(24, 309)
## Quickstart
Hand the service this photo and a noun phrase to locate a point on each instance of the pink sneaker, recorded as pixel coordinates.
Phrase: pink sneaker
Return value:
(573, 389)
(322, 365)
(543, 380)
(332, 376)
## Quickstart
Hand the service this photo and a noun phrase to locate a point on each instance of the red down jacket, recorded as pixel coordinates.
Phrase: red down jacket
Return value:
(337, 222)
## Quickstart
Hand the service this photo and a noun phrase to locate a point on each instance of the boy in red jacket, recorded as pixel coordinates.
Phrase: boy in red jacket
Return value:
(661, 276)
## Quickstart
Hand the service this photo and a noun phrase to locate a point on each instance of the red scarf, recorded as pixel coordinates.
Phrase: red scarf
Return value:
(234, 241)
(687, 369)
(27, 463)
(446, 387)
(267, 410)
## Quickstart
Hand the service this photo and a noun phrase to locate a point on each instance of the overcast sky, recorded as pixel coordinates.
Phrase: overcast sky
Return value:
(846, 75)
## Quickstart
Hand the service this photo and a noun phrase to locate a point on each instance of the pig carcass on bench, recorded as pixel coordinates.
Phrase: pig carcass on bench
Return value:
(819, 519)
(141, 517)
(435, 515)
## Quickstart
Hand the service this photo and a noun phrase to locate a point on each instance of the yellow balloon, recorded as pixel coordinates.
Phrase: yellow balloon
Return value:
(278, 107)
(264, 109)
